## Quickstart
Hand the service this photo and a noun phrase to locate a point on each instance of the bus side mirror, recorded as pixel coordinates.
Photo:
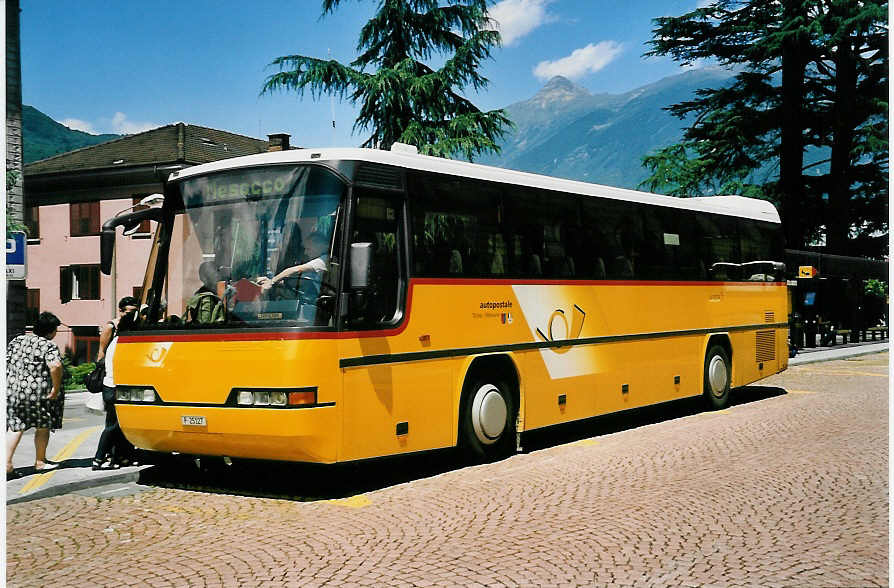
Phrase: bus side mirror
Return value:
(129, 222)
(361, 265)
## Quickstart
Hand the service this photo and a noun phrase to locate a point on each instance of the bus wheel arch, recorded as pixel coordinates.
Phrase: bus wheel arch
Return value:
(718, 371)
(488, 408)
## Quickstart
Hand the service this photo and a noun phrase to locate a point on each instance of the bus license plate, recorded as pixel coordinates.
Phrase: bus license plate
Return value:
(193, 421)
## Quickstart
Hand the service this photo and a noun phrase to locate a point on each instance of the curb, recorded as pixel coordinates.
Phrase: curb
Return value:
(120, 478)
(807, 359)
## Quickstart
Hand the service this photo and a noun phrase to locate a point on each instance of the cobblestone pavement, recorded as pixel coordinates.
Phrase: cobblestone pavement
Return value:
(785, 488)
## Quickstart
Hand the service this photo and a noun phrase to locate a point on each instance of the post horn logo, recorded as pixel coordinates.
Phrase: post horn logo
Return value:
(557, 327)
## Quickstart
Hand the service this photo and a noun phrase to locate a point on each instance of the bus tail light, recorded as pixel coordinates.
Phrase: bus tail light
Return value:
(302, 397)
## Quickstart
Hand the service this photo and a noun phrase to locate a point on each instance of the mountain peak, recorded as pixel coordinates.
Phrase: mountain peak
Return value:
(560, 89)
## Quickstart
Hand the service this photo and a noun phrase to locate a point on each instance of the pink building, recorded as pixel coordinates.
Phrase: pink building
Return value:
(69, 196)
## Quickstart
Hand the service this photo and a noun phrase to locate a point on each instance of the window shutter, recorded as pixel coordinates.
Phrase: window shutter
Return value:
(65, 284)
(93, 218)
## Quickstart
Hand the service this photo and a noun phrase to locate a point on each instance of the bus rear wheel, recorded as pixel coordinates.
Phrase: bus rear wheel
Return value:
(487, 420)
(718, 372)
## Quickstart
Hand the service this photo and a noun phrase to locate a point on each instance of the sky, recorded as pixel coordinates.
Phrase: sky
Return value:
(126, 66)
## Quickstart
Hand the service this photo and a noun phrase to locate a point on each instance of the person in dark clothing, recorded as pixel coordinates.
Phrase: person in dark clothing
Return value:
(113, 450)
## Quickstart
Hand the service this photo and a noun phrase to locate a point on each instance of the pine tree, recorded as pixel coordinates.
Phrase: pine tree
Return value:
(401, 97)
(792, 91)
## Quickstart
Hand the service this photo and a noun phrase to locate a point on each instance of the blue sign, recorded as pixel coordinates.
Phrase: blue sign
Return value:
(16, 245)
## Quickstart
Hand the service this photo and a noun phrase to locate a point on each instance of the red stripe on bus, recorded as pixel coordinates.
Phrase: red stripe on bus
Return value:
(512, 282)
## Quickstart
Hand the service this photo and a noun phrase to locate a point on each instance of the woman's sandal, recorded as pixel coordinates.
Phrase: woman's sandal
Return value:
(13, 474)
(104, 465)
(47, 466)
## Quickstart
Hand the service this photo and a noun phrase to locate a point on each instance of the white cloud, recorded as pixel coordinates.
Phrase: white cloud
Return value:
(79, 125)
(118, 124)
(585, 60)
(517, 18)
(122, 126)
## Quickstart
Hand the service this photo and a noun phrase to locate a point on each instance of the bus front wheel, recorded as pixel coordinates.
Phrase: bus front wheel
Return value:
(487, 425)
(718, 372)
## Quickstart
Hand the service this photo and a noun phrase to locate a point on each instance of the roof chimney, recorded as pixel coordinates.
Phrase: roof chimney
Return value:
(278, 142)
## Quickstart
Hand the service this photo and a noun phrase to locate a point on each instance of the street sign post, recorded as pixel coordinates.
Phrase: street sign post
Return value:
(16, 245)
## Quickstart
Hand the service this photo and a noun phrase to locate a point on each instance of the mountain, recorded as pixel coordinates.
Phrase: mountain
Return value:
(565, 131)
(43, 137)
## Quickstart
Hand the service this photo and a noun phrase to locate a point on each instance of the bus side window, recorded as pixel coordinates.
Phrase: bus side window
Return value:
(719, 247)
(378, 221)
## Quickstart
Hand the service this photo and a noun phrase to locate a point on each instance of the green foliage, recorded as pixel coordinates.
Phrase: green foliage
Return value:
(12, 179)
(876, 288)
(75, 375)
(810, 74)
(401, 97)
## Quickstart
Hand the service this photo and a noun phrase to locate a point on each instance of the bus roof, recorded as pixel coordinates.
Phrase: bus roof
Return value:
(727, 205)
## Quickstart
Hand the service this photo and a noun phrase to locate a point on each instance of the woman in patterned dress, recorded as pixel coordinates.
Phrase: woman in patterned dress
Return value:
(34, 395)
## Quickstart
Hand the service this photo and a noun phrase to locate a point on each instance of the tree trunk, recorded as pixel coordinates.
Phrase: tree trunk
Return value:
(838, 217)
(791, 146)
(15, 206)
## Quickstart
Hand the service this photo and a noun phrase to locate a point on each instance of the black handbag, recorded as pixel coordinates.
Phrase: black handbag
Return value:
(93, 380)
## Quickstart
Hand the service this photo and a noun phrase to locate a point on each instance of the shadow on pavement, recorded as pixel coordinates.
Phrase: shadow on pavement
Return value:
(64, 464)
(295, 481)
(312, 482)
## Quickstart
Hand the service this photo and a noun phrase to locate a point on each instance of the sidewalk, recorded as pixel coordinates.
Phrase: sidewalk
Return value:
(74, 447)
(815, 354)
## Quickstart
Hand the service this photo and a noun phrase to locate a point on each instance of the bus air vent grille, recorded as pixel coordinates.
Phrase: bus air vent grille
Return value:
(766, 346)
(379, 176)
(769, 316)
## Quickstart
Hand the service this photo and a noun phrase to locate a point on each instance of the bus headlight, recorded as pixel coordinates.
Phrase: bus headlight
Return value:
(136, 394)
(278, 398)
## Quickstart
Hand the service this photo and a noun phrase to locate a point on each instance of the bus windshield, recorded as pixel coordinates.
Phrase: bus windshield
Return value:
(253, 247)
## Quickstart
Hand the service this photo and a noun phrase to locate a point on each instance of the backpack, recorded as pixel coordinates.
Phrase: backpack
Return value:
(203, 309)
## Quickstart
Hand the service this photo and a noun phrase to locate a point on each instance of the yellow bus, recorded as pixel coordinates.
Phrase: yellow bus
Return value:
(327, 305)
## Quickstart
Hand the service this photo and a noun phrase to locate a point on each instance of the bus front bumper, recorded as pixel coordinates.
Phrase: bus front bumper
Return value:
(305, 435)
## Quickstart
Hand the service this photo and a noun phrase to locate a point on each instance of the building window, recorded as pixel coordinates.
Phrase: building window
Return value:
(84, 219)
(79, 282)
(86, 344)
(32, 306)
(145, 229)
(32, 222)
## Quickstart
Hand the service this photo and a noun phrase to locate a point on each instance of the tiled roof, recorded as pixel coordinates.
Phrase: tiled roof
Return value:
(174, 143)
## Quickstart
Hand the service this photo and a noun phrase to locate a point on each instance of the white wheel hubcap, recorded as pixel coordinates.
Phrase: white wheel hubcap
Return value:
(489, 412)
(717, 375)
